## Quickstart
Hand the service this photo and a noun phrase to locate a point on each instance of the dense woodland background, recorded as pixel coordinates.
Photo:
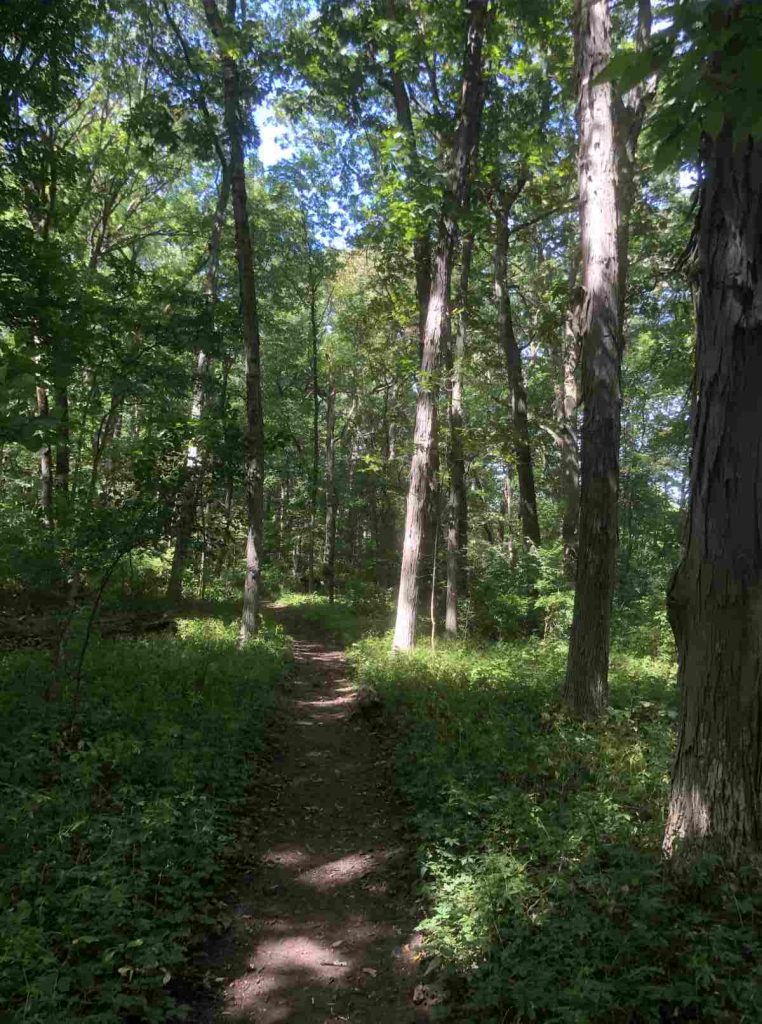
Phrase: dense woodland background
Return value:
(256, 262)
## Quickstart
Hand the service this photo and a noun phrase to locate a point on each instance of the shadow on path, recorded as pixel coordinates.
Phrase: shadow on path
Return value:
(323, 925)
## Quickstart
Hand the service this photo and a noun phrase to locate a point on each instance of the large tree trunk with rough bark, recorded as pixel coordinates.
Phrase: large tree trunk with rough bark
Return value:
(512, 354)
(254, 462)
(457, 504)
(586, 684)
(424, 462)
(715, 602)
(609, 130)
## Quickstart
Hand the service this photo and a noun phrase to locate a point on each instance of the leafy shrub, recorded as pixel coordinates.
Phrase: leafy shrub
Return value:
(115, 823)
(502, 584)
(342, 621)
(540, 844)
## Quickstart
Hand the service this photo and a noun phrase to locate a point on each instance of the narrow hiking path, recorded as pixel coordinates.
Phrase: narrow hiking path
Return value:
(323, 928)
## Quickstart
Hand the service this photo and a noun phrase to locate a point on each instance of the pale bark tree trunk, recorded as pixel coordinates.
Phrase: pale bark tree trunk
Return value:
(715, 602)
(606, 161)
(189, 485)
(568, 402)
(331, 496)
(424, 462)
(507, 340)
(191, 475)
(422, 243)
(457, 504)
(46, 464)
(254, 437)
(315, 387)
(506, 514)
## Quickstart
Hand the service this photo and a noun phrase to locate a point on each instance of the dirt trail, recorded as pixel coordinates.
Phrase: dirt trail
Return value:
(323, 928)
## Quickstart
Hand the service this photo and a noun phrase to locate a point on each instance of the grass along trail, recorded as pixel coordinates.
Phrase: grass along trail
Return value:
(324, 922)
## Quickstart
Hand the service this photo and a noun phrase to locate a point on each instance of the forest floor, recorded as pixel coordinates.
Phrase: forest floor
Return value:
(324, 915)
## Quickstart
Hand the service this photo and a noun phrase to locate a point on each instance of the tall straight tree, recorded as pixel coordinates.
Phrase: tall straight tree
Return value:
(457, 502)
(254, 442)
(716, 594)
(530, 523)
(190, 480)
(424, 462)
(609, 128)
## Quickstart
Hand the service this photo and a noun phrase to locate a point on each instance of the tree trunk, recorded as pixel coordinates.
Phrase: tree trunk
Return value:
(46, 464)
(422, 243)
(63, 452)
(715, 600)
(457, 504)
(191, 476)
(568, 433)
(507, 339)
(331, 497)
(424, 462)
(254, 438)
(315, 473)
(189, 486)
(586, 684)
(609, 131)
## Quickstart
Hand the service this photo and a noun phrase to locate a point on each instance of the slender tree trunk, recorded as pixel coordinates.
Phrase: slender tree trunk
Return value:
(254, 438)
(46, 464)
(422, 242)
(189, 485)
(424, 463)
(191, 476)
(331, 497)
(457, 505)
(315, 473)
(568, 402)
(715, 601)
(507, 339)
(63, 451)
(586, 685)
(506, 514)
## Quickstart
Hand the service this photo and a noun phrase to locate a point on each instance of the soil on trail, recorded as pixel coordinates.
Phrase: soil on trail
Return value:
(324, 919)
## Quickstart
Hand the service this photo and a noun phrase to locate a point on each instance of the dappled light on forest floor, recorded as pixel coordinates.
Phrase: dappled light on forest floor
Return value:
(323, 927)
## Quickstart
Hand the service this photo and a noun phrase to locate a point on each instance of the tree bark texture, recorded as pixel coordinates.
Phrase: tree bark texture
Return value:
(586, 685)
(315, 386)
(424, 461)
(568, 433)
(63, 449)
(254, 442)
(507, 339)
(715, 602)
(457, 504)
(46, 464)
(331, 496)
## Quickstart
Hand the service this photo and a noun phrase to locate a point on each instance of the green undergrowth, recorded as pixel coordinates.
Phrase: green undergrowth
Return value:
(540, 844)
(343, 622)
(117, 816)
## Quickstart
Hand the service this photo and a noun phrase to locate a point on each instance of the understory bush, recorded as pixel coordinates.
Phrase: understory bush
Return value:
(341, 622)
(540, 844)
(116, 809)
